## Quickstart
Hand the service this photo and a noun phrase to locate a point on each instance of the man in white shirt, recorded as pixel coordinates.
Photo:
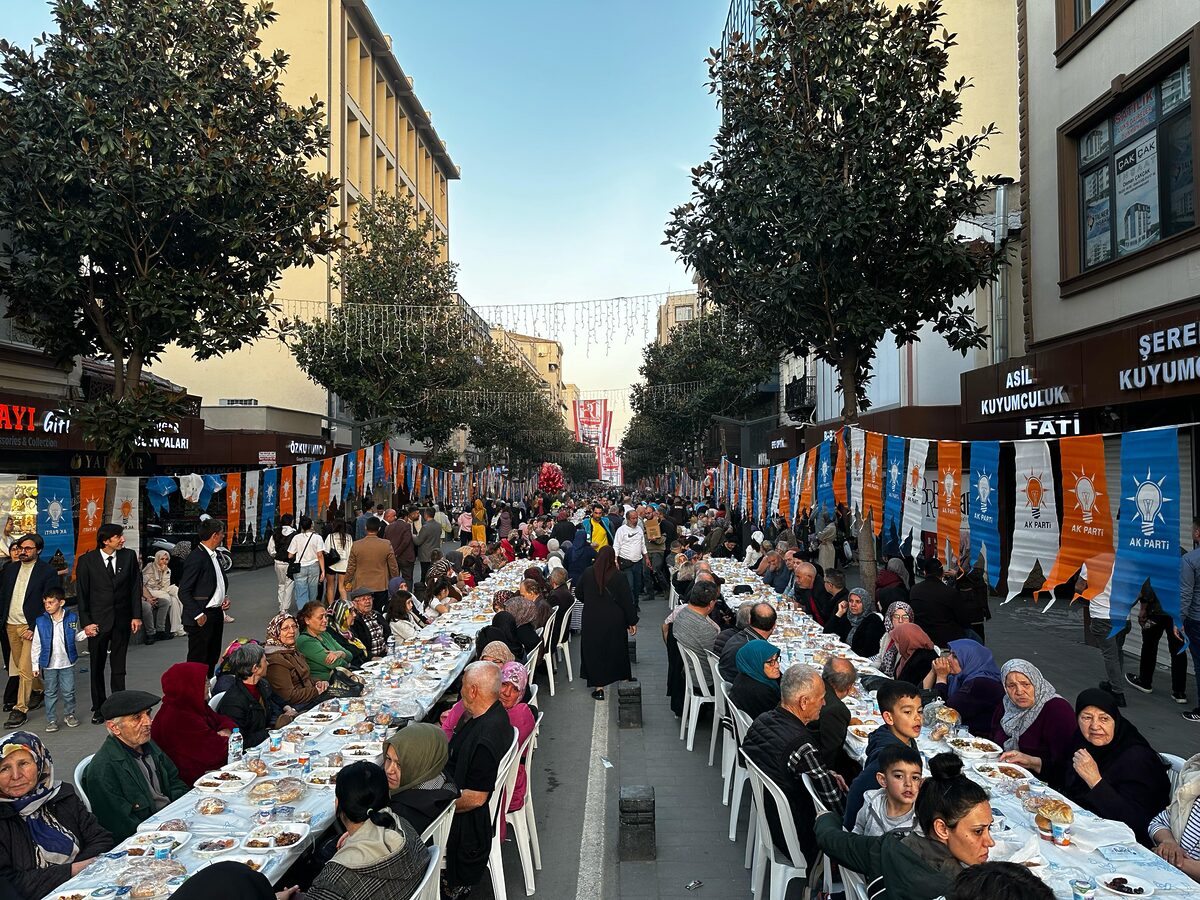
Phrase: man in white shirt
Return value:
(277, 548)
(629, 543)
(202, 590)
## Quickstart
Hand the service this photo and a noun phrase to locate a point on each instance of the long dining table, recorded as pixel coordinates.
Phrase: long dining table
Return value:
(401, 688)
(1100, 849)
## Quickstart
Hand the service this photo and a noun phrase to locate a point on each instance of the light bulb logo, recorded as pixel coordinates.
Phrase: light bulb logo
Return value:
(270, 492)
(312, 485)
(874, 468)
(285, 489)
(948, 488)
(233, 497)
(1148, 502)
(1085, 496)
(893, 475)
(250, 495)
(824, 472)
(55, 511)
(325, 478)
(1033, 494)
(857, 461)
(91, 509)
(983, 490)
(126, 508)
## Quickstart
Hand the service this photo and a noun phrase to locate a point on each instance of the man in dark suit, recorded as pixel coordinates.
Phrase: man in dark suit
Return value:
(110, 607)
(202, 590)
(428, 539)
(22, 588)
(403, 540)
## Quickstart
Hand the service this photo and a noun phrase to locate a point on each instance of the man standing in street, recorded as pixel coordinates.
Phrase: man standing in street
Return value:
(360, 524)
(1189, 609)
(22, 588)
(277, 549)
(372, 564)
(202, 589)
(400, 535)
(597, 529)
(110, 607)
(629, 543)
(428, 539)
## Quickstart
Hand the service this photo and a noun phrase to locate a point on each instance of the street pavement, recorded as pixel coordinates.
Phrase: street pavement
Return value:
(575, 794)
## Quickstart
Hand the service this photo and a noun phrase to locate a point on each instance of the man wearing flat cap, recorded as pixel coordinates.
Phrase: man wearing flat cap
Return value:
(130, 778)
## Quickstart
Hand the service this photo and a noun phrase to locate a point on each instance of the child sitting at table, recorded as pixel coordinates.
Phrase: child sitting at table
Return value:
(890, 806)
(900, 704)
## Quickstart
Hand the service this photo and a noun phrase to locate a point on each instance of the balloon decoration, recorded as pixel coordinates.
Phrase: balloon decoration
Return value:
(550, 478)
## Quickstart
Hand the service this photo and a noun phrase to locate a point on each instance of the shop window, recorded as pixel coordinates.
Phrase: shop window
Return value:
(1127, 174)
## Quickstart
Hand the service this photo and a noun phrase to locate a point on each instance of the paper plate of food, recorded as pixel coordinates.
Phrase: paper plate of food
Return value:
(973, 747)
(1125, 885)
(324, 776)
(281, 790)
(320, 717)
(994, 771)
(224, 782)
(214, 846)
(276, 836)
(363, 751)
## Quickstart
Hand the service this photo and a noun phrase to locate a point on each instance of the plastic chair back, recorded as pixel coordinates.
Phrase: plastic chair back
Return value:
(215, 701)
(429, 888)
(80, 770)
(787, 824)
(438, 831)
(1175, 764)
(697, 683)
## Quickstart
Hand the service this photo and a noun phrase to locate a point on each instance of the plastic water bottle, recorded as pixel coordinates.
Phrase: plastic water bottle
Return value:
(391, 648)
(311, 754)
(235, 746)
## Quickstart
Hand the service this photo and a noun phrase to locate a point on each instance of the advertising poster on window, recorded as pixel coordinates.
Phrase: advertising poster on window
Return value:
(1133, 118)
(1097, 212)
(1177, 165)
(1177, 88)
(1094, 143)
(1137, 195)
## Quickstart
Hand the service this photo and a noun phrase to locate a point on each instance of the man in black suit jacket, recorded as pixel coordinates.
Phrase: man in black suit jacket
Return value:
(36, 578)
(110, 607)
(202, 590)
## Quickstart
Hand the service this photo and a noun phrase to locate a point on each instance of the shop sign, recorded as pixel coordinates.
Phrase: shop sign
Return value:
(1022, 393)
(307, 448)
(1052, 427)
(17, 418)
(266, 457)
(1154, 372)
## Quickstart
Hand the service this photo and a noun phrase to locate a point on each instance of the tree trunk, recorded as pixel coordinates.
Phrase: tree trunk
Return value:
(849, 378)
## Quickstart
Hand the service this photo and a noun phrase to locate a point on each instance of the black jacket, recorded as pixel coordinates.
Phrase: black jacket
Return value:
(751, 696)
(939, 609)
(254, 717)
(41, 579)
(419, 807)
(106, 601)
(769, 743)
(18, 865)
(729, 651)
(198, 583)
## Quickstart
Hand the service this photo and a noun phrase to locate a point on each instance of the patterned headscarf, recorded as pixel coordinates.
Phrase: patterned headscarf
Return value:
(53, 842)
(868, 609)
(524, 611)
(275, 626)
(515, 674)
(889, 654)
(1015, 720)
(341, 615)
(498, 650)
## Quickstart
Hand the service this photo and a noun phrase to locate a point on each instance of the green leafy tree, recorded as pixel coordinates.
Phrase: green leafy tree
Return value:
(153, 186)
(400, 334)
(826, 215)
(723, 360)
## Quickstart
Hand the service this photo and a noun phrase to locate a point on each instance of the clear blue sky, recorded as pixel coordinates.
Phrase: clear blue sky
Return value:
(575, 124)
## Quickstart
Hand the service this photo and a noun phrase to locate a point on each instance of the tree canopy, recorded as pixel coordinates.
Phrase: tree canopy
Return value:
(153, 186)
(826, 216)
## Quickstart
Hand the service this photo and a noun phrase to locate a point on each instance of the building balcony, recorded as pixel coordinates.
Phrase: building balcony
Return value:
(800, 395)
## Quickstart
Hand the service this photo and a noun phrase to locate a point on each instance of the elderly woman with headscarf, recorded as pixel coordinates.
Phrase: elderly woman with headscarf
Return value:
(1113, 771)
(287, 670)
(915, 653)
(162, 611)
(186, 729)
(413, 760)
(579, 555)
(857, 622)
(969, 682)
(531, 597)
(47, 835)
(248, 699)
(503, 628)
(341, 621)
(496, 652)
(1034, 725)
(756, 686)
(479, 521)
(889, 654)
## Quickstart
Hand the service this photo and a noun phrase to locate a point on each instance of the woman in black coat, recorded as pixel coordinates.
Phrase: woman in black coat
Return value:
(249, 700)
(47, 835)
(608, 616)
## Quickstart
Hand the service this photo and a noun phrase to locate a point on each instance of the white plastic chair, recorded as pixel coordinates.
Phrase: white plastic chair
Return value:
(439, 831)
(696, 695)
(720, 725)
(741, 724)
(524, 831)
(79, 770)
(547, 648)
(784, 865)
(561, 649)
(430, 888)
(729, 742)
(819, 808)
(505, 777)
(1175, 764)
(672, 597)
(854, 883)
(532, 658)
(215, 701)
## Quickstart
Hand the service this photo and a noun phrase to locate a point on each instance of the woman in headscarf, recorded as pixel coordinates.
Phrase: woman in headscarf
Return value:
(413, 760)
(857, 623)
(608, 616)
(754, 550)
(1034, 725)
(580, 554)
(1175, 832)
(1113, 771)
(889, 654)
(916, 653)
(478, 521)
(341, 617)
(969, 681)
(529, 606)
(47, 835)
(160, 599)
(229, 880)
(503, 629)
(504, 523)
(756, 685)
(287, 670)
(496, 652)
(194, 736)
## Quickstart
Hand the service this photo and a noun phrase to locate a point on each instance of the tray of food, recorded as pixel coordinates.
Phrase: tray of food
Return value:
(363, 751)
(144, 844)
(148, 877)
(325, 776)
(214, 846)
(320, 717)
(276, 836)
(224, 782)
(281, 790)
(211, 806)
(997, 770)
(973, 747)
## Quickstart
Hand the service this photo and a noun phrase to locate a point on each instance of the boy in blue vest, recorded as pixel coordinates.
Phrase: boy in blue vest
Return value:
(55, 635)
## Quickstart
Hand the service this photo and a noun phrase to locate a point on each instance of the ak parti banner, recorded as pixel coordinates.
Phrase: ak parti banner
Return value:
(91, 515)
(808, 463)
(873, 473)
(287, 485)
(323, 489)
(785, 491)
(361, 460)
(233, 505)
(949, 493)
(1087, 528)
(840, 471)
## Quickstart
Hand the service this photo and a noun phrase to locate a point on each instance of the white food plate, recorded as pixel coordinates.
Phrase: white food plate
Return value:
(268, 833)
(329, 773)
(362, 750)
(309, 729)
(1132, 880)
(316, 717)
(145, 841)
(81, 894)
(223, 844)
(991, 771)
(257, 863)
(216, 783)
(976, 747)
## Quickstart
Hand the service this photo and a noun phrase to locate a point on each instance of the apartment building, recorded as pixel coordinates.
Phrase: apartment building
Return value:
(544, 357)
(676, 309)
(382, 141)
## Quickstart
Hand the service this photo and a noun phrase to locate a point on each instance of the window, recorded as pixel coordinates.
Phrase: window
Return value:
(1085, 9)
(1136, 181)
(1079, 21)
(683, 313)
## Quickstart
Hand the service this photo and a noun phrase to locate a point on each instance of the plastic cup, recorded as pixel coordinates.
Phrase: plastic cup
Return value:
(1060, 833)
(276, 738)
(1083, 889)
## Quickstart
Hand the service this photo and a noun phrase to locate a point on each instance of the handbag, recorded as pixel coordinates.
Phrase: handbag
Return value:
(332, 557)
(293, 568)
(344, 684)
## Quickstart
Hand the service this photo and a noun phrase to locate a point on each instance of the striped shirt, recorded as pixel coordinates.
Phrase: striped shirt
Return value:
(1189, 841)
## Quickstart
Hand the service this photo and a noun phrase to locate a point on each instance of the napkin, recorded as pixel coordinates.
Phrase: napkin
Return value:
(1015, 851)
(1089, 833)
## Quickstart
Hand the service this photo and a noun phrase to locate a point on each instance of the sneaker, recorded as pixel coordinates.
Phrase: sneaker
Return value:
(1138, 685)
(51, 728)
(37, 700)
(71, 722)
(16, 719)
(229, 618)
(1193, 716)
(1179, 698)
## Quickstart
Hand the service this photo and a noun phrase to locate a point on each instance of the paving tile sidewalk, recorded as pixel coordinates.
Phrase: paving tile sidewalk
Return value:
(692, 827)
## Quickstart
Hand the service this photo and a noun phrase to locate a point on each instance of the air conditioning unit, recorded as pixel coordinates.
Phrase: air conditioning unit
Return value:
(237, 401)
